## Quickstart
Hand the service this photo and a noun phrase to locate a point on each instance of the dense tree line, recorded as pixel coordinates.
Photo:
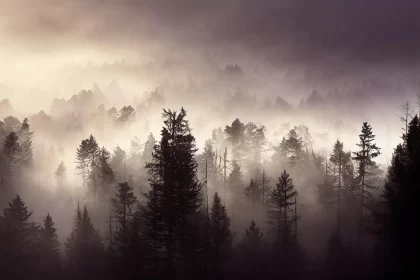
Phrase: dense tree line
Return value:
(170, 230)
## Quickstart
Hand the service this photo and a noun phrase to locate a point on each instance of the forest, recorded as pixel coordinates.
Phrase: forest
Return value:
(164, 209)
(209, 139)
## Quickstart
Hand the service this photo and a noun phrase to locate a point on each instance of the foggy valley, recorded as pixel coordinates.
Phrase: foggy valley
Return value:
(209, 139)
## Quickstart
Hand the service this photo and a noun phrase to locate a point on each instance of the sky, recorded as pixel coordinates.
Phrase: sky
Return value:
(360, 31)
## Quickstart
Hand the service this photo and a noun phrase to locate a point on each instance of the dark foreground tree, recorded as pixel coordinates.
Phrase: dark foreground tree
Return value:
(84, 248)
(174, 201)
(18, 241)
(368, 151)
(221, 235)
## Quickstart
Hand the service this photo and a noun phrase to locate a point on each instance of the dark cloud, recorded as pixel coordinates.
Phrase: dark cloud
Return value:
(359, 30)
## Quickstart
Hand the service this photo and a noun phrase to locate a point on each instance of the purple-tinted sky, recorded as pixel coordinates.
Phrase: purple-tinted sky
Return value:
(368, 31)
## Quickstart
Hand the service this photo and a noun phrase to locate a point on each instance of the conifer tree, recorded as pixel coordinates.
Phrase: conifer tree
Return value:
(368, 151)
(148, 148)
(235, 135)
(117, 163)
(253, 192)
(105, 174)
(235, 178)
(18, 239)
(25, 136)
(126, 240)
(84, 247)
(49, 248)
(393, 221)
(339, 158)
(87, 157)
(282, 199)
(221, 235)
(11, 148)
(253, 241)
(255, 141)
(60, 174)
(176, 191)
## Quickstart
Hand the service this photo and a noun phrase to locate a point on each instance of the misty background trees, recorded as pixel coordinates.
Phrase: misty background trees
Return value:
(247, 199)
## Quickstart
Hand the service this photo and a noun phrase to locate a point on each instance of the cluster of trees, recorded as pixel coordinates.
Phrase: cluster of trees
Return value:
(173, 232)
(16, 150)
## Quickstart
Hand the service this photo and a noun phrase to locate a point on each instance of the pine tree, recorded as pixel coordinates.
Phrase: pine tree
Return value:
(236, 137)
(393, 219)
(176, 190)
(11, 148)
(339, 158)
(126, 241)
(368, 151)
(49, 248)
(221, 235)
(255, 141)
(105, 174)
(148, 148)
(87, 157)
(117, 163)
(252, 242)
(235, 178)
(84, 247)
(122, 205)
(282, 199)
(18, 239)
(25, 136)
(60, 175)
(253, 192)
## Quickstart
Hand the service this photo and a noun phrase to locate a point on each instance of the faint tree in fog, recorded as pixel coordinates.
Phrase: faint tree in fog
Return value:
(235, 178)
(60, 174)
(117, 163)
(148, 148)
(11, 148)
(127, 115)
(253, 192)
(235, 135)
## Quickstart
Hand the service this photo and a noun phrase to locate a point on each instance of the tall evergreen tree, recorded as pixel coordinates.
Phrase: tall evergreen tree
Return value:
(221, 235)
(176, 190)
(339, 158)
(49, 248)
(368, 151)
(105, 174)
(84, 247)
(393, 221)
(282, 199)
(11, 148)
(126, 239)
(18, 240)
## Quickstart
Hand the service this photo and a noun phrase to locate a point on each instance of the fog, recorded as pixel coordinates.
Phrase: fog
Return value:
(75, 68)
